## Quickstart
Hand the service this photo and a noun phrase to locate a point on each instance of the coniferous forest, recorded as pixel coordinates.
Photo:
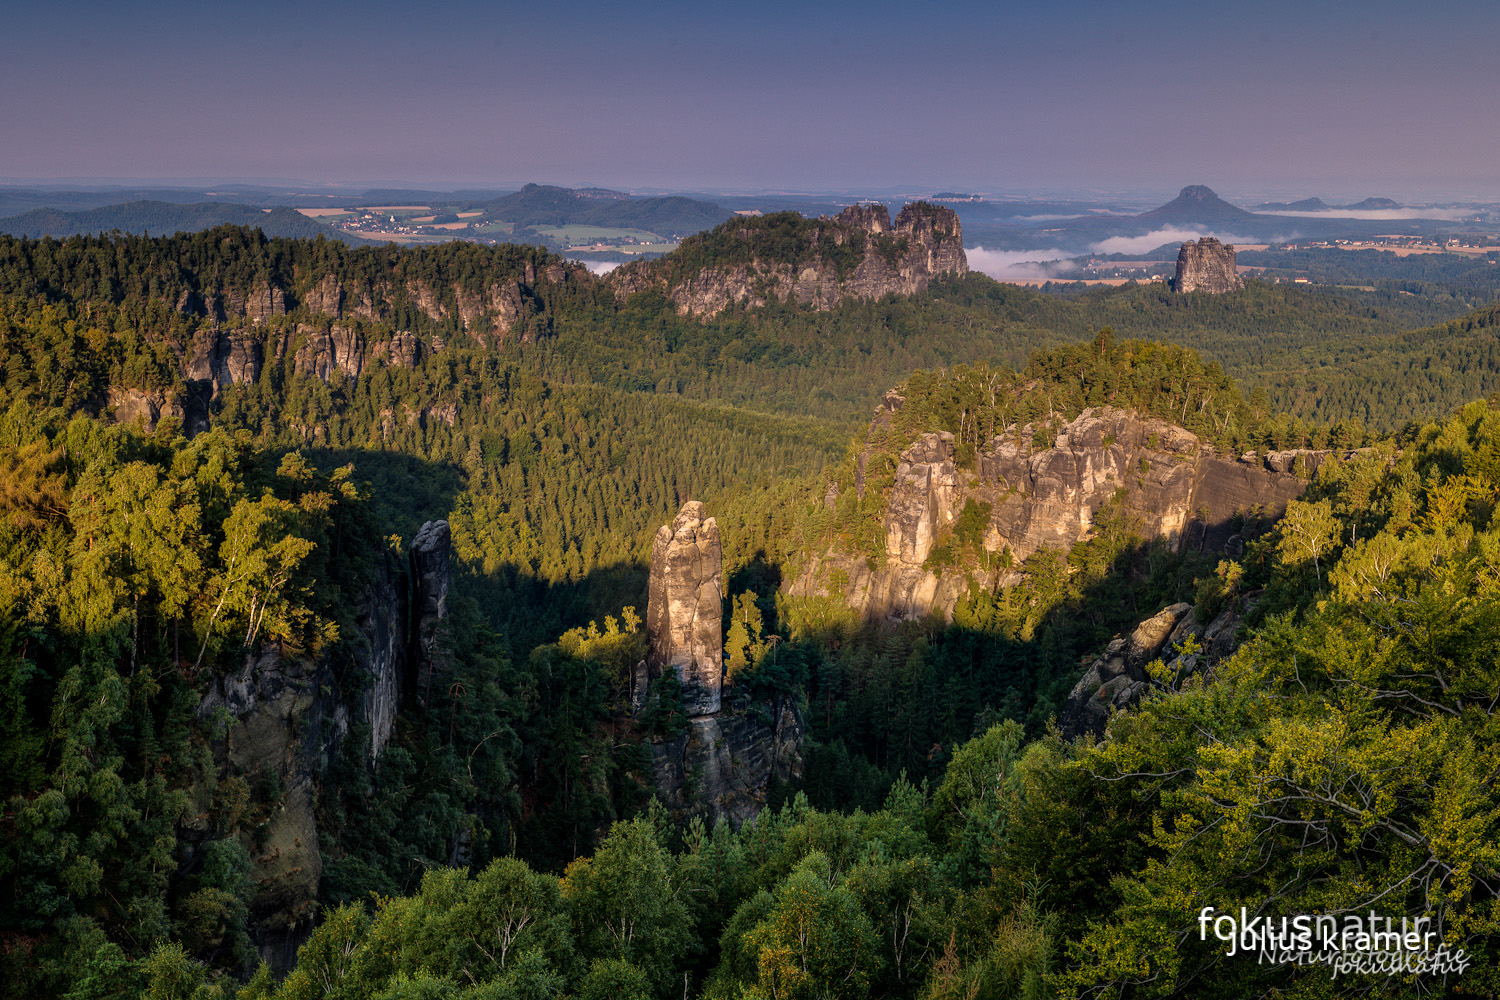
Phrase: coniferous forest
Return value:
(189, 489)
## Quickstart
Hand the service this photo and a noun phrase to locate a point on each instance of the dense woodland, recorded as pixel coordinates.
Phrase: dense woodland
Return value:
(945, 840)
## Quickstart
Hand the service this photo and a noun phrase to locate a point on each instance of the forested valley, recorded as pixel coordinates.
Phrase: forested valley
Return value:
(191, 489)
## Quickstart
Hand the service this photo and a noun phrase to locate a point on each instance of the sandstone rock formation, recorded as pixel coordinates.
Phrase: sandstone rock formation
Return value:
(289, 716)
(725, 764)
(430, 572)
(925, 242)
(1168, 483)
(225, 357)
(189, 405)
(264, 301)
(1207, 265)
(328, 350)
(683, 615)
(326, 297)
(1118, 678)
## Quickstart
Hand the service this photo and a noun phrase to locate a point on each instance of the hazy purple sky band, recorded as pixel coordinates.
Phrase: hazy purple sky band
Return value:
(1374, 97)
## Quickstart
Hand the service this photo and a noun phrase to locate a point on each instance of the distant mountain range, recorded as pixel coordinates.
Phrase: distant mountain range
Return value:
(65, 213)
(1318, 205)
(163, 218)
(544, 205)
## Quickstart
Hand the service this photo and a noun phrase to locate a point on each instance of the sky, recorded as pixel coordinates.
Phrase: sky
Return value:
(1335, 99)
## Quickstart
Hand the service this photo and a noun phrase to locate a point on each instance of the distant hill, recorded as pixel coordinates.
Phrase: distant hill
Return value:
(1318, 205)
(1198, 204)
(544, 205)
(1305, 205)
(165, 218)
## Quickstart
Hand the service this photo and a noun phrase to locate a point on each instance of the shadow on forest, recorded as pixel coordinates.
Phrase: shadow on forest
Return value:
(881, 696)
(885, 697)
(406, 491)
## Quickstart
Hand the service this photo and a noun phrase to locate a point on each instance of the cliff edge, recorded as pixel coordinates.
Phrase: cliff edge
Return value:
(1040, 493)
(858, 254)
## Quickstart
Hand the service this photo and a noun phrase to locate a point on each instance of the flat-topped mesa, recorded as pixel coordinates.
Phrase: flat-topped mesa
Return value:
(683, 612)
(1207, 265)
(858, 254)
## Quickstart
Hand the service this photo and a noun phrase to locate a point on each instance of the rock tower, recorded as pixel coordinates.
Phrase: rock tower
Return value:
(683, 611)
(1207, 265)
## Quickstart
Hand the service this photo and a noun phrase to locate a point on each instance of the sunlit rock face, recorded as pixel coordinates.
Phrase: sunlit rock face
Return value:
(1045, 486)
(683, 614)
(903, 257)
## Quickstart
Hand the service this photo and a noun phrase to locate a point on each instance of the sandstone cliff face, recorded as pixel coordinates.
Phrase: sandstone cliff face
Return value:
(328, 340)
(265, 301)
(431, 562)
(726, 762)
(684, 612)
(326, 297)
(1169, 485)
(326, 351)
(190, 406)
(489, 313)
(289, 715)
(925, 242)
(1207, 265)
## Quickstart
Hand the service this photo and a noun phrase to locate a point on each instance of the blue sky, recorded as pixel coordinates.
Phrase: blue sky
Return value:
(1334, 99)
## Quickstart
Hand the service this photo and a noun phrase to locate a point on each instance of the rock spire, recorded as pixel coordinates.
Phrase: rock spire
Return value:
(683, 612)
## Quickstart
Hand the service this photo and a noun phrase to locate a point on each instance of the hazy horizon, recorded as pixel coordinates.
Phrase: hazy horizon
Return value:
(1338, 100)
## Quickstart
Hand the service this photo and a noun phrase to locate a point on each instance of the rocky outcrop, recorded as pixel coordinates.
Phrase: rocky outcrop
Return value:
(729, 758)
(403, 350)
(1206, 265)
(326, 351)
(272, 701)
(684, 626)
(382, 619)
(225, 357)
(725, 765)
(924, 242)
(425, 299)
(431, 560)
(137, 406)
(1045, 486)
(189, 405)
(264, 301)
(326, 297)
(1117, 679)
(288, 717)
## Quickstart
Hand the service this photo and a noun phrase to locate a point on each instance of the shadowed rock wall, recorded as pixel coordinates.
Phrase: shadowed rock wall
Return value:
(288, 717)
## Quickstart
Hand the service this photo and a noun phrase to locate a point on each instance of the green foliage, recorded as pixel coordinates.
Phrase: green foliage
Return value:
(1343, 759)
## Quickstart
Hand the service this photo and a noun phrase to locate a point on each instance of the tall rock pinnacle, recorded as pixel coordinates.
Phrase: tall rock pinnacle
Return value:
(1207, 265)
(683, 610)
